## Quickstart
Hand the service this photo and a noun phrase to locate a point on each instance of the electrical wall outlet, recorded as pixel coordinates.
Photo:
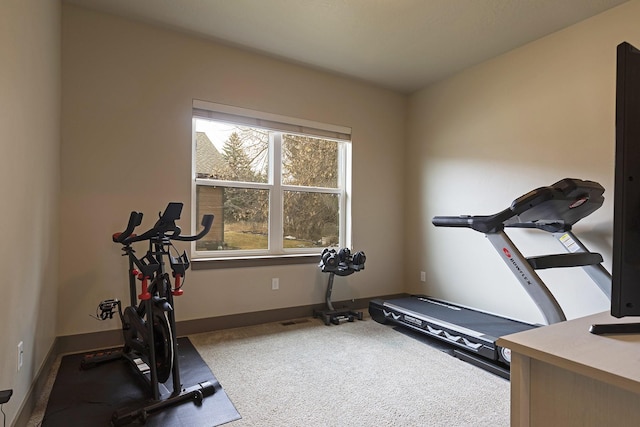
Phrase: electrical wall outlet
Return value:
(5, 395)
(275, 284)
(20, 354)
(423, 276)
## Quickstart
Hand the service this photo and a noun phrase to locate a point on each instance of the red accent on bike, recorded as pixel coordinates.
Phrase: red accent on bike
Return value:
(506, 252)
(177, 291)
(135, 272)
(145, 295)
(115, 236)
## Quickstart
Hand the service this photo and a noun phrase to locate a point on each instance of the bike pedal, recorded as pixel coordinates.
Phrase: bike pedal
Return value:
(142, 366)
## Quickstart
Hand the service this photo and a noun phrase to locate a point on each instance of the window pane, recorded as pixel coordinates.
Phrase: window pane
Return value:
(232, 153)
(309, 161)
(310, 220)
(241, 218)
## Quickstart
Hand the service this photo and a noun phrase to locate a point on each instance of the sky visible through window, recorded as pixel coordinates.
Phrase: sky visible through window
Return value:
(217, 132)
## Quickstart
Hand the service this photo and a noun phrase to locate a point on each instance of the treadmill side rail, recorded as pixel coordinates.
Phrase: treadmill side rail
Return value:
(528, 278)
(597, 272)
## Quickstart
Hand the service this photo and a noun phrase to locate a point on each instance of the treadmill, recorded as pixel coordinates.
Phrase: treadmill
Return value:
(473, 333)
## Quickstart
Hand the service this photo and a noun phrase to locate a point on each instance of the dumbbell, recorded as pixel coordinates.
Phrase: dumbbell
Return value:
(330, 259)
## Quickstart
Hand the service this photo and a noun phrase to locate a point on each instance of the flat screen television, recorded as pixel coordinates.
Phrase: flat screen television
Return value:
(625, 275)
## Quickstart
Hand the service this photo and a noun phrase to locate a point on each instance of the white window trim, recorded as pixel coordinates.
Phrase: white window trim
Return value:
(252, 118)
(259, 119)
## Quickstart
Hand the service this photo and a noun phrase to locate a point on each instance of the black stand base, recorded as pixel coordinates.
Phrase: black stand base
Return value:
(195, 393)
(337, 316)
(615, 328)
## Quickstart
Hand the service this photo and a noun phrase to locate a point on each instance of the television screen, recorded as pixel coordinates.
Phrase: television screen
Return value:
(625, 286)
(625, 275)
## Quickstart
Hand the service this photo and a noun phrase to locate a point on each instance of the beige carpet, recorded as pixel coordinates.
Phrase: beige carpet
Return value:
(304, 373)
(354, 374)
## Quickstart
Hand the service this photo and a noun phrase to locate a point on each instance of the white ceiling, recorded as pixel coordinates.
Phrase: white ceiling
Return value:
(399, 44)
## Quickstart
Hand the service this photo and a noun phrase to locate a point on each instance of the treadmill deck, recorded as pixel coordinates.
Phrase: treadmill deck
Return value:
(470, 330)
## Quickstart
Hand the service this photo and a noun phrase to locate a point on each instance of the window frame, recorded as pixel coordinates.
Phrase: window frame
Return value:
(277, 125)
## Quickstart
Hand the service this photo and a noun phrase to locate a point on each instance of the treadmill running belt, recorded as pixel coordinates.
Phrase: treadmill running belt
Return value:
(459, 317)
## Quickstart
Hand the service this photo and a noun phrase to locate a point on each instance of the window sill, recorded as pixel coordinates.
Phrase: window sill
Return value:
(257, 261)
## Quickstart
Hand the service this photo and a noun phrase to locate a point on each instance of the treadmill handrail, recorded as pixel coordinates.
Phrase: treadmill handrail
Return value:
(481, 223)
(578, 259)
(554, 208)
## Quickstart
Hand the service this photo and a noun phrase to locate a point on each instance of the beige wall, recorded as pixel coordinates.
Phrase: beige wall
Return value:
(126, 127)
(481, 138)
(29, 188)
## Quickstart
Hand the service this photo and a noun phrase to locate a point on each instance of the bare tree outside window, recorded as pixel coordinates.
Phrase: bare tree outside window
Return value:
(236, 182)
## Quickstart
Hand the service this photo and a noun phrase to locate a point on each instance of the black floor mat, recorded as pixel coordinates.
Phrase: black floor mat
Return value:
(90, 397)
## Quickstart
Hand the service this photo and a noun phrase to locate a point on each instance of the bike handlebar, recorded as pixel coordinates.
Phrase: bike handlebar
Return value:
(207, 222)
(135, 219)
(165, 227)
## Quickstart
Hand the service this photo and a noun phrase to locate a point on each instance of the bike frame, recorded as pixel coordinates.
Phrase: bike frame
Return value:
(156, 296)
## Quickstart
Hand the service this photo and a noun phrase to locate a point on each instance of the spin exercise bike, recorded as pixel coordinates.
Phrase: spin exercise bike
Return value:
(341, 263)
(149, 324)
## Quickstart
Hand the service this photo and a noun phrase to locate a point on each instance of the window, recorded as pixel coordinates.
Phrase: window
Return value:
(276, 185)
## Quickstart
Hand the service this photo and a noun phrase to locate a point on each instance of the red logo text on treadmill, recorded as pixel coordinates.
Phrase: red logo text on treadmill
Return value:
(506, 252)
